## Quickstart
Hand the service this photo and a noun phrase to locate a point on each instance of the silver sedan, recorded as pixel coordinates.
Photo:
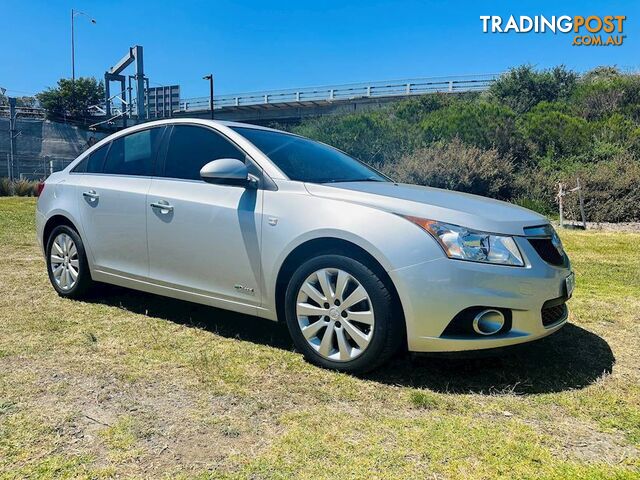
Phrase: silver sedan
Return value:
(275, 225)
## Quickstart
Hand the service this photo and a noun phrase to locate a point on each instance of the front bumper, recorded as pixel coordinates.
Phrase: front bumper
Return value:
(433, 293)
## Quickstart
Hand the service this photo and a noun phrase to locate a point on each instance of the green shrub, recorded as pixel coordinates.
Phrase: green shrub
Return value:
(611, 191)
(522, 88)
(552, 130)
(483, 124)
(374, 137)
(605, 91)
(21, 188)
(414, 110)
(539, 205)
(5, 187)
(456, 166)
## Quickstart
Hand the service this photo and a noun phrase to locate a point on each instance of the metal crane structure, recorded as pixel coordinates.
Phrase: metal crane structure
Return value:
(125, 95)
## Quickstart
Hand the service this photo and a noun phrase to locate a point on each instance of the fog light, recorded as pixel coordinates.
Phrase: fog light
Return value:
(488, 322)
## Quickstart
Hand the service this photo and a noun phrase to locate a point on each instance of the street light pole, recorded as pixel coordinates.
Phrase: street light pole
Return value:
(210, 78)
(73, 50)
(74, 13)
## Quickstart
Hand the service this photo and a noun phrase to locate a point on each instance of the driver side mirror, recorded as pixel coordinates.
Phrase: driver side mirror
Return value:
(228, 171)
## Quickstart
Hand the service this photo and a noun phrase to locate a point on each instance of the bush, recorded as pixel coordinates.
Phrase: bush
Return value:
(5, 187)
(536, 190)
(21, 188)
(26, 188)
(611, 191)
(456, 166)
(414, 110)
(605, 91)
(522, 88)
(374, 137)
(552, 130)
(483, 124)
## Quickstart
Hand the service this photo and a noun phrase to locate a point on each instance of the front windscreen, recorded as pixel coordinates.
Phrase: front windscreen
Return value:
(308, 161)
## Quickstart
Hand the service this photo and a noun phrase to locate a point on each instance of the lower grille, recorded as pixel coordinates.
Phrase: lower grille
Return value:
(553, 314)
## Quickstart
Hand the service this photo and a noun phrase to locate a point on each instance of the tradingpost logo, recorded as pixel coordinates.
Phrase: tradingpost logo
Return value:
(593, 30)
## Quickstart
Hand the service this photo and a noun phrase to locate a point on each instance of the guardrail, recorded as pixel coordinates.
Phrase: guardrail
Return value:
(310, 95)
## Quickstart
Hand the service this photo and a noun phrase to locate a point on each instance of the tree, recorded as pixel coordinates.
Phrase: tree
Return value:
(70, 98)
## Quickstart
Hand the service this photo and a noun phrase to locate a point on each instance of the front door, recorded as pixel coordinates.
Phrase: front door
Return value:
(204, 238)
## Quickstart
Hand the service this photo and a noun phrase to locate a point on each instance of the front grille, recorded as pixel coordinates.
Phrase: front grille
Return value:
(547, 251)
(553, 314)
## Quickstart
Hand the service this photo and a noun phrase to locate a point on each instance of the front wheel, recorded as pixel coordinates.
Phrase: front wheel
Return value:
(341, 314)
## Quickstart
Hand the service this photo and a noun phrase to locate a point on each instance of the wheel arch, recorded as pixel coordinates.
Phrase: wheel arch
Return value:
(327, 245)
(55, 221)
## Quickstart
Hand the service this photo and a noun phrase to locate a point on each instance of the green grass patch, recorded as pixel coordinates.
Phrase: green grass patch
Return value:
(127, 384)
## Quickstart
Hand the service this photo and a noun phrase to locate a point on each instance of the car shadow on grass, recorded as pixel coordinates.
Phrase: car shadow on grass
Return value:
(571, 358)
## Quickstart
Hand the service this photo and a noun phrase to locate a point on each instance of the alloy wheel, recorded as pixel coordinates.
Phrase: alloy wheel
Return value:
(335, 314)
(65, 263)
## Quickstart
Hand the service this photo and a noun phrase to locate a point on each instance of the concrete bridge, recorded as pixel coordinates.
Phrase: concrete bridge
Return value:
(293, 105)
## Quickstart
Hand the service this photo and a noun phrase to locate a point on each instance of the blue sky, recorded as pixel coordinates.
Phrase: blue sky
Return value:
(256, 45)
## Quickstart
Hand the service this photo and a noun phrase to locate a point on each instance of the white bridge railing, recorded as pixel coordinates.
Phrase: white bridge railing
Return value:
(395, 88)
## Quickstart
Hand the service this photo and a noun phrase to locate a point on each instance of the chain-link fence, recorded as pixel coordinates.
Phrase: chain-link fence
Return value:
(30, 167)
(40, 147)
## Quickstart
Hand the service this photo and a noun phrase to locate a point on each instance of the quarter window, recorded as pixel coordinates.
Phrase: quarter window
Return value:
(93, 163)
(133, 154)
(191, 147)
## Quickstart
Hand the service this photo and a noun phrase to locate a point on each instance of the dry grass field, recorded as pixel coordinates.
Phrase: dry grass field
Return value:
(127, 384)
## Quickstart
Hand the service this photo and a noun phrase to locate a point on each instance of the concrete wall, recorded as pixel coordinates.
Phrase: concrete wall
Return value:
(41, 142)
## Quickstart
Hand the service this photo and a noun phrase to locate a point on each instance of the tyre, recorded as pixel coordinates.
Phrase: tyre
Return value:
(67, 263)
(341, 315)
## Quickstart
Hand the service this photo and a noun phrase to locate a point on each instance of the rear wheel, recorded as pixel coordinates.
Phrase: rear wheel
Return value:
(67, 262)
(341, 314)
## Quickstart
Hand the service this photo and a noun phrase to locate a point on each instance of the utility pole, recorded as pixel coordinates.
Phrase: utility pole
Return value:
(210, 78)
(12, 137)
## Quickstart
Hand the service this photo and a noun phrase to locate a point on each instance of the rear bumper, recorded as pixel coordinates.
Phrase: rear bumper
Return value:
(40, 223)
(433, 293)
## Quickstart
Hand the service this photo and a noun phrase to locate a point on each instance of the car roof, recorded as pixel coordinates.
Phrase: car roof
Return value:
(191, 120)
(269, 167)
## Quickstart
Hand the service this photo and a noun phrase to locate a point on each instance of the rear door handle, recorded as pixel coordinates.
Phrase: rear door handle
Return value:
(91, 195)
(163, 205)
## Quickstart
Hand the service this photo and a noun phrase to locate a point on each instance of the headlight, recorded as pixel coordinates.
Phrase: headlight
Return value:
(466, 244)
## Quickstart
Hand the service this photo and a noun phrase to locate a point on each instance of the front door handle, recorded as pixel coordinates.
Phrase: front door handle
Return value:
(91, 195)
(163, 205)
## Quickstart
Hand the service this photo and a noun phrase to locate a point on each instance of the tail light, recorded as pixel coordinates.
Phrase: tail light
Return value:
(39, 189)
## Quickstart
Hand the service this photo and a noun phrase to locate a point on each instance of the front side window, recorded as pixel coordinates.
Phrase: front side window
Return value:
(133, 154)
(192, 147)
(308, 161)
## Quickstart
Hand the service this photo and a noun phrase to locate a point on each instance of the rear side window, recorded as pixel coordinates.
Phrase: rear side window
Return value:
(191, 147)
(133, 154)
(93, 163)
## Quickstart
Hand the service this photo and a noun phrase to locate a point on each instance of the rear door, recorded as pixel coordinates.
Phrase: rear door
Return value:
(207, 240)
(112, 195)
